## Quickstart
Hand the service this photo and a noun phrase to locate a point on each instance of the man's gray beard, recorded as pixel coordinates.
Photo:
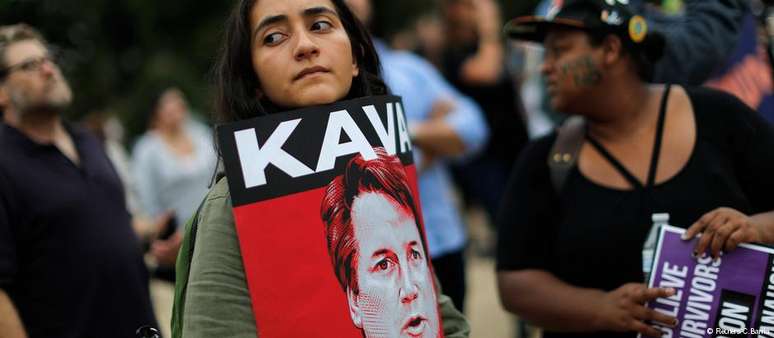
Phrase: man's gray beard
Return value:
(42, 109)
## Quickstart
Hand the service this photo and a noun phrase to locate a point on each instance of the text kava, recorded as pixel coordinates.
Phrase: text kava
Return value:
(254, 158)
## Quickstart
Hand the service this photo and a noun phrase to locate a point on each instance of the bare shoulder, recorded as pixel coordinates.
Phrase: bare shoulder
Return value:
(680, 113)
(680, 133)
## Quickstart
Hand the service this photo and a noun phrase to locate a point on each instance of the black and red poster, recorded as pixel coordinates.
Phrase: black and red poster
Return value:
(329, 223)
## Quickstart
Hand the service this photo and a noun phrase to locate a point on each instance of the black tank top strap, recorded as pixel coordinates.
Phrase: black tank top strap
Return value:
(613, 161)
(650, 182)
(659, 136)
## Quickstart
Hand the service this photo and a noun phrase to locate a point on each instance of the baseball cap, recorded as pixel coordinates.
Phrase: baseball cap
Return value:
(614, 16)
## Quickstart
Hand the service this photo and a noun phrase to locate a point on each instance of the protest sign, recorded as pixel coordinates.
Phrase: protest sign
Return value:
(327, 212)
(732, 296)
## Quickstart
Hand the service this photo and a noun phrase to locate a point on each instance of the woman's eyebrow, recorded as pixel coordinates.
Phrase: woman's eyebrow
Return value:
(312, 11)
(269, 20)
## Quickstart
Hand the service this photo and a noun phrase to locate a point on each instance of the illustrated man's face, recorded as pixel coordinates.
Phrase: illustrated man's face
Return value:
(396, 296)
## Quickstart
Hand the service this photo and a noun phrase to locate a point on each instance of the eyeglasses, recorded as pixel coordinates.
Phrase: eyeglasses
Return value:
(30, 65)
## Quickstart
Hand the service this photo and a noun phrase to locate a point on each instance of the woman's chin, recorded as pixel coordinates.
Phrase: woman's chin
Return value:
(316, 95)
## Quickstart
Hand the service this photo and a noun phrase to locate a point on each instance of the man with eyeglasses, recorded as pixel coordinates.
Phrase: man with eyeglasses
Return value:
(70, 264)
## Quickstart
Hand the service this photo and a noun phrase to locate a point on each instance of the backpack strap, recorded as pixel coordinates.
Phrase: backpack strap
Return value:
(564, 153)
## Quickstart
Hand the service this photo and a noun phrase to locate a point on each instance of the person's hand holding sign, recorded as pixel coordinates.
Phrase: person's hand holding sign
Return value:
(723, 229)
(624, 310)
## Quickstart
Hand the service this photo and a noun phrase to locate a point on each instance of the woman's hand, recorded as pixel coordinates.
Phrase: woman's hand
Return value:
(623, 310)
(724, 229)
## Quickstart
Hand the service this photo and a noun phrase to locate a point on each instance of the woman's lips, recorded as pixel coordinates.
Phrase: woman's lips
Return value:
(310, 71)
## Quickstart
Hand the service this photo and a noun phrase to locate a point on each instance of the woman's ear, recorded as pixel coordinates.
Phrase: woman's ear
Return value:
(354, 309)
(612, 49)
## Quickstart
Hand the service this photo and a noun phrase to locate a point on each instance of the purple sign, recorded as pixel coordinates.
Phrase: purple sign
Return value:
(729, 297)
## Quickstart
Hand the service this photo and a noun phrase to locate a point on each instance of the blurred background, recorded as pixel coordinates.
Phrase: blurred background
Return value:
(120, 55)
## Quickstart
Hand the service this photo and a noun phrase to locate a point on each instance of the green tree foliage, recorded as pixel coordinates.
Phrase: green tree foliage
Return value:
(118, 54)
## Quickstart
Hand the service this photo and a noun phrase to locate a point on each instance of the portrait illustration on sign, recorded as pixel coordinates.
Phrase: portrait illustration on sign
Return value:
(374, 240)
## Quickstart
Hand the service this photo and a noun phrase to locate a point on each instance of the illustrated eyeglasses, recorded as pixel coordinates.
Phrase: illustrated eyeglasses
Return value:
(30, 65)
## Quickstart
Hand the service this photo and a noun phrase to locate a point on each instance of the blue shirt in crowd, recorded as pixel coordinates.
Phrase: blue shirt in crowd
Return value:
(421, 85)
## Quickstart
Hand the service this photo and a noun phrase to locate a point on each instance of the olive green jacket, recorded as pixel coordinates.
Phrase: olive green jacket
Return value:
(211, 296)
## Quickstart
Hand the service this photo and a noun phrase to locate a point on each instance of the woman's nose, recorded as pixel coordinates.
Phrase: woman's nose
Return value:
(306, 47)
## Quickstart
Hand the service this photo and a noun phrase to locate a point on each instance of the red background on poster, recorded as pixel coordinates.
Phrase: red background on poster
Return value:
(289, 274)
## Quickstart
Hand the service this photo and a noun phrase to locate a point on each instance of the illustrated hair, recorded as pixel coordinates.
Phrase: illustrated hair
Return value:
(384, 174)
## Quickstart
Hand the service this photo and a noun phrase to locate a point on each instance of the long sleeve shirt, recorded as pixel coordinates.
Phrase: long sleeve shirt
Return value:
(421, 86)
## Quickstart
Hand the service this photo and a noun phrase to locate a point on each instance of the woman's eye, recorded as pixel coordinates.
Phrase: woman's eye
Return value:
(415, 254)
(321, 26)
(272, 39)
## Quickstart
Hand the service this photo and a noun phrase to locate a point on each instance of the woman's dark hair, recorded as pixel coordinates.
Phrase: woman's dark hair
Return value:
(236, 85)
(644, 54)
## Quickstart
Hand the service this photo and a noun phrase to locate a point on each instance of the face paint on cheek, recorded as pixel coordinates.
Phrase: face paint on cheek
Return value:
(565, 69)
(588, 73)
(592, 73)
(583, 71)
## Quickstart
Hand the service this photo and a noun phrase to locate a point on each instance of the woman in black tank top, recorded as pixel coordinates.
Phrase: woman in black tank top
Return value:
(570, 249)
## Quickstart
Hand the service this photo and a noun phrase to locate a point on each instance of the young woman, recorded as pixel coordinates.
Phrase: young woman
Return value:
(277, 55)
(569, 257)
(171, 162)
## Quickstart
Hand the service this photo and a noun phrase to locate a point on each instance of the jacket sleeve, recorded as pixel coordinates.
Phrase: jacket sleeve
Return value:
(699, 41)
(217, 302)
(454, 323)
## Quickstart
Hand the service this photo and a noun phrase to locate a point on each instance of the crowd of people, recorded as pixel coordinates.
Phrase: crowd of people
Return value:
(654, 112)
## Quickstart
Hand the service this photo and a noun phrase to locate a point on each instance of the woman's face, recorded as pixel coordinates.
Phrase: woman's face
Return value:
(172, 110)
(571, 68)
(300, 52)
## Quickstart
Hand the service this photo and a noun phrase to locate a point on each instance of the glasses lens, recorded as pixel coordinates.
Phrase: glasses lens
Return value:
(31, 65)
